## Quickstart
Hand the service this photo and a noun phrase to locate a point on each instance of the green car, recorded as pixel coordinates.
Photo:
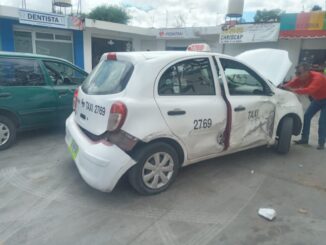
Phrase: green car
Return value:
(35, 91)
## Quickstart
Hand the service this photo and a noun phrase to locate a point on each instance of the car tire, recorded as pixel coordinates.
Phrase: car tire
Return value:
(7, 132)
(153, 161)
(285, 135)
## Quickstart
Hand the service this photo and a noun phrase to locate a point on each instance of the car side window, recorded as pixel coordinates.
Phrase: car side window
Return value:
(63, 74)
(189, 77)
(241, 80)
(20, 72)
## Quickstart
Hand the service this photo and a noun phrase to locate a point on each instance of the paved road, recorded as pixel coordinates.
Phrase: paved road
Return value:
(44, 200)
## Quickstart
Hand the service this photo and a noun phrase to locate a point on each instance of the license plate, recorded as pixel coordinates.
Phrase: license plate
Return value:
(73, 148)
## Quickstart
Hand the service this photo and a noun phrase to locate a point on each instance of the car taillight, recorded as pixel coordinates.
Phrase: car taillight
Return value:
(74, 103)
(117, 117)
(111, 56)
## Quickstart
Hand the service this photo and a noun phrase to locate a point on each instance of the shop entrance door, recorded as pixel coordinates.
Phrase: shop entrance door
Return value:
(103, 45)
(315, 57)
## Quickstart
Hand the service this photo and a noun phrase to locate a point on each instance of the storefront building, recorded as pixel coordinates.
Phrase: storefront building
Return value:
(101, 36)
(41, 33)
(84, 43)
(302, 35)
(309, 29)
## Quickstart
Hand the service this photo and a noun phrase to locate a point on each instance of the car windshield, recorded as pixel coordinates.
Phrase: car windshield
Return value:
(109, 77)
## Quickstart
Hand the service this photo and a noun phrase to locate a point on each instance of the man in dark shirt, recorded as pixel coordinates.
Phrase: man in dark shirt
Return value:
(313, 84)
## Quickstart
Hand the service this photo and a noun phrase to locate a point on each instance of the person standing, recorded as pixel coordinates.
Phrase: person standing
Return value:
(312, 84)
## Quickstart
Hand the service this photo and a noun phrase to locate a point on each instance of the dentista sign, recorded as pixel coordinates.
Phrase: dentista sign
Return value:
(42, 19)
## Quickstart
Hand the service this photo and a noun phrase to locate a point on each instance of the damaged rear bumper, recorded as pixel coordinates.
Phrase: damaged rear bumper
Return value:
(100, 164)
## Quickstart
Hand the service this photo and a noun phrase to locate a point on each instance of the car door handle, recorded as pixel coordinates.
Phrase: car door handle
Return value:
(5, 95)
(176, 112)
(240, 108)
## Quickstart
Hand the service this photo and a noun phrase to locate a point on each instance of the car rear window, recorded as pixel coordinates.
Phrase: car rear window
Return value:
(20, 72)
(108, 77)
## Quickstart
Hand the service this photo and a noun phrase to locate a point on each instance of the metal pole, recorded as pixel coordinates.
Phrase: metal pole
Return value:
(24, 4)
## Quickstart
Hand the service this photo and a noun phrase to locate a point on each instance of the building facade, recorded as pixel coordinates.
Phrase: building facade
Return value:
(41, 33)
(302, 35)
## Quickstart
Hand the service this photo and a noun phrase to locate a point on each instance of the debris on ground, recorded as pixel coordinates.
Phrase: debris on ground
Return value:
(252, 171)
(300, 165)
(267, 213)
(303, 211)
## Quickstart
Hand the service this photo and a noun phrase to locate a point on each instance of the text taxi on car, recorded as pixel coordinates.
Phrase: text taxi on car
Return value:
(146, 114)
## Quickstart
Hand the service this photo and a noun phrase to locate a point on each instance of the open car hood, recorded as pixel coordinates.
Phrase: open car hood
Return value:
(273, 64)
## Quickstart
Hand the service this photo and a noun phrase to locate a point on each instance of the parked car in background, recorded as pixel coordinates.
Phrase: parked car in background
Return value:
(149, 113)
(35, 91)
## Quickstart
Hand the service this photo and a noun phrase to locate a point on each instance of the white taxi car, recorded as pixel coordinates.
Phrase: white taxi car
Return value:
(146, 114)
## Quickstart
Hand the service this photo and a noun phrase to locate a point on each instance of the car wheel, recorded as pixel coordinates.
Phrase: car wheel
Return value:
(7, 132)
(156, 168)
(285, 135)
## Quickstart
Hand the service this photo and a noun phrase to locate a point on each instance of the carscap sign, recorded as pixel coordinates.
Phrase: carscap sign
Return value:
(250, 33)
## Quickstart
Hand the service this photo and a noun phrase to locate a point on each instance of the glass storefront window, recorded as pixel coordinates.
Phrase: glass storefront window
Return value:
(58, 49)
(41, 42)
(63, 37)
(23, 42)
(41, 35)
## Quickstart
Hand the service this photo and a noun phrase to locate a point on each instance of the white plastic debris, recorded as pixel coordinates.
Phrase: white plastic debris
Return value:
(252, 171)
(303, 211)
(267, 213)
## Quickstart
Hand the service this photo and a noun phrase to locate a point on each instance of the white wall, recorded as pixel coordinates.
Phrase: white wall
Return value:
(87, 51)
(314, 43)
(136, 44)
(104, 26)
(235, 49)
(153, 45)
(9, 12)
(150, 45)
(180, 43)
(161, 44)
(293, 47)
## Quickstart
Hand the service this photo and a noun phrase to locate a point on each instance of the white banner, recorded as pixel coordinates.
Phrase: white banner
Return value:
(177, 33)
(250, 33)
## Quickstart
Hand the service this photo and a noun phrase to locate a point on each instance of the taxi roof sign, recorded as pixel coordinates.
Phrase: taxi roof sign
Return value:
(199, 47)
